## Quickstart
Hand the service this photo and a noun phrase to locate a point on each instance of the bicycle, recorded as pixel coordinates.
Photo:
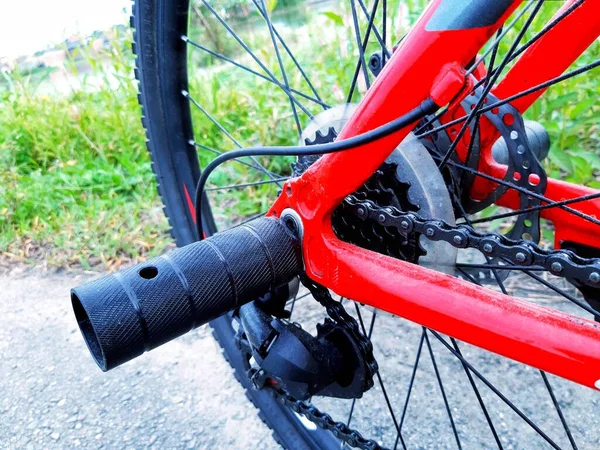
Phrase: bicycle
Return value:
(383, 199)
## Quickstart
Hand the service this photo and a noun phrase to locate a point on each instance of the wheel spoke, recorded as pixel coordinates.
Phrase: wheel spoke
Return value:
(478, 395)
(486, 83)
(525, 93)
(253, 56)
(384, 51)
(564, 294)
(370, 18)
(493, 48)
(362, 45)
(558, 410)
(263, 11)
(294, 60)
(254, 72)
(379, 378)
(487, 258)
(441, 385)
(259, 167)
(372, 325)
(542, 32)
(551, 205)
(498, 267)
(492, 63)
(351, 412)
(370, 332)
(212, 119)
(525, 191)
(294, 300)
(251, 218)
(245, 185)
(476, 110)
(226, 133)
(411, 383)
(496, 391)
(293, 304)
(468, 275)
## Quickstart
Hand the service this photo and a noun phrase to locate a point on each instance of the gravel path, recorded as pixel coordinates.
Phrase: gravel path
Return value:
(184, 396)
(53, 396)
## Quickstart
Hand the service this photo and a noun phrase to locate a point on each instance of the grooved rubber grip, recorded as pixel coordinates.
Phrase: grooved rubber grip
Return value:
(124, 314)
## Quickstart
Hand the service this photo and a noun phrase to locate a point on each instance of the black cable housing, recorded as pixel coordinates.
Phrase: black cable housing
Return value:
(426, 108)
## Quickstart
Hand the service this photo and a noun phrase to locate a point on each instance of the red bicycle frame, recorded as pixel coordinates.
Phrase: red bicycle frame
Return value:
(428, 64)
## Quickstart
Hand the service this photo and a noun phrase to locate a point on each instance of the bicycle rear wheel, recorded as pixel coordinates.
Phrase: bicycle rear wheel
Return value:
(184, 134)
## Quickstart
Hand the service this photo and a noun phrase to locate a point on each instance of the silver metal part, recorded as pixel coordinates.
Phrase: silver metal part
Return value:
(290, 214)
(537, 136)
(428, 191)
(416, 167)
(293, 287)
(335, 117)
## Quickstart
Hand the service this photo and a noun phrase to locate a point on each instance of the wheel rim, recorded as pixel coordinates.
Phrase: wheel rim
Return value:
(302, 99)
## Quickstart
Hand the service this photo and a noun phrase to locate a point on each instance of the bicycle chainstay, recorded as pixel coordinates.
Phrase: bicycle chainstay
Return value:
(563, 263)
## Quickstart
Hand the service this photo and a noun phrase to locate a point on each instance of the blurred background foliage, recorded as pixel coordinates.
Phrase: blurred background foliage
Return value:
(76, 185)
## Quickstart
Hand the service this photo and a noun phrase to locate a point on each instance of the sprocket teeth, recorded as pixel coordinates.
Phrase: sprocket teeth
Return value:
(383, 188)
(320, 138)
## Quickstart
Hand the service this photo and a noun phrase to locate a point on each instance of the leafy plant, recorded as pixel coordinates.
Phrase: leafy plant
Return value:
(76, 184)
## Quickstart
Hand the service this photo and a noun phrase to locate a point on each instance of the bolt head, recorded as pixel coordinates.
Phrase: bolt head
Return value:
(488, 248)
(381, 218)
(458, 240)
(430, 232)
(360, 211)
(594, 277)
(521, 257)
(556, 267)
(404, 225)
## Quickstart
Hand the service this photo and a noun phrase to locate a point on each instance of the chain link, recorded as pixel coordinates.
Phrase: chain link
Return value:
(324, 421)
(522, 253)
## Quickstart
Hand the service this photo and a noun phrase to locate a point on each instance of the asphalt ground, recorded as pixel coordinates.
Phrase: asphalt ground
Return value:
(53, 396)
(183, 395)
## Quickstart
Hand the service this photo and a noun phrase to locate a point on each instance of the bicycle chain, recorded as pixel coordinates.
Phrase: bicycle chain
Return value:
(338, 314)
(522, 253)
(324, 421)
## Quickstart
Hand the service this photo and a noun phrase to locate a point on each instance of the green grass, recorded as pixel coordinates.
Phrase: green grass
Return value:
(76, 185)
